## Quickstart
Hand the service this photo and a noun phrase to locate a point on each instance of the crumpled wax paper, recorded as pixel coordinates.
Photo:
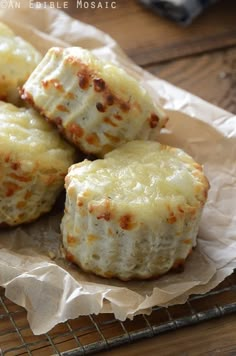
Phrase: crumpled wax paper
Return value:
(51, 289)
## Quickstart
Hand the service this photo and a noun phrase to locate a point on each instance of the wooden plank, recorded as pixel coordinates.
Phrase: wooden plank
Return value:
(210, 76)
(191, 341)
(148, 38)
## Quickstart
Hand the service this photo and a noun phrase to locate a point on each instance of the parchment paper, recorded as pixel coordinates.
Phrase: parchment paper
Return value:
(31, 265)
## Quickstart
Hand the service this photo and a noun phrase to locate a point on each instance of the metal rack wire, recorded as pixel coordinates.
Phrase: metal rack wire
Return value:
(90, 334)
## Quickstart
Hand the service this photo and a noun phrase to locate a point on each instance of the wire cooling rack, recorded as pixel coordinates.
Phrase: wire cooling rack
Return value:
(90, 334)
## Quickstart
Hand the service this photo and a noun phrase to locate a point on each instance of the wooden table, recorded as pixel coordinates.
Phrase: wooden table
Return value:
(201, 59)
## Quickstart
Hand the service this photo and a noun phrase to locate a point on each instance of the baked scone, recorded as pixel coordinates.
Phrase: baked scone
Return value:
(135, 214)
(34, 161)
(95, 104)
(18, 59)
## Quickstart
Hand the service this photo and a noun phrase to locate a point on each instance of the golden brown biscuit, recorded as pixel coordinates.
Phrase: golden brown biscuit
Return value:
(135, 214)
(18, 59)
(33, 162)
(95, 104)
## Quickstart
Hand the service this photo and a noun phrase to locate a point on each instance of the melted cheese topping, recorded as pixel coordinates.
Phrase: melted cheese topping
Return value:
(134, 214)
(25, 134)
(96, 104)
(147, 177)
(75, 65)
(5, 30)
(18, 59)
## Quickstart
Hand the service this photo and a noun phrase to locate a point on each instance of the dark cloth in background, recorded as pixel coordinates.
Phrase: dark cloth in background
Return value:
(181, 11)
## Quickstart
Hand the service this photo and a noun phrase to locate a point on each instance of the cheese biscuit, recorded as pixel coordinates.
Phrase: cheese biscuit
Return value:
(33, 162)
(95, 104)
(135, 214)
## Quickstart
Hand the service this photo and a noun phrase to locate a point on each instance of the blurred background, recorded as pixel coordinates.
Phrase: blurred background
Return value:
(197, 54)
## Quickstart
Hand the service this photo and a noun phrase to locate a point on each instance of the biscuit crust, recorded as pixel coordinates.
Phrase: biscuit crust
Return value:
(18, 59)
(135, 214)
(95, 105)
(34, 161)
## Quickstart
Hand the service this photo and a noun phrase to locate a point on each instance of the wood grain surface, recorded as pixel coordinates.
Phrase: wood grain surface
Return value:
(212, 338)
(209, 76)
(148, 38)
(200, 58)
